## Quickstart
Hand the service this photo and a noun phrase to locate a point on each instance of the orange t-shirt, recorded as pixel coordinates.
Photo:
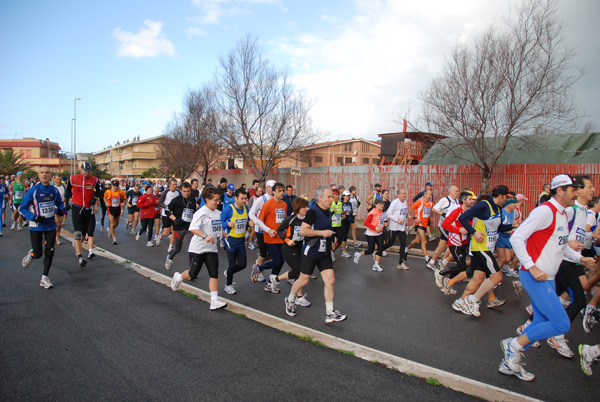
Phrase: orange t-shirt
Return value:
(114, 199)
(272, 214)
(423, 212)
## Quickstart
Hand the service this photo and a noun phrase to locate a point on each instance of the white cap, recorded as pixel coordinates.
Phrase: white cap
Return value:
(270, 183)
(564, 180)
(346, 193)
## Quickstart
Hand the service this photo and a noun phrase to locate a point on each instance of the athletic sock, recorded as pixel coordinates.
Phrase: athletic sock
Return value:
(515, 344)
(292, 298)
(451, 282)
(485, 287)
(328, 307)
(214, 295)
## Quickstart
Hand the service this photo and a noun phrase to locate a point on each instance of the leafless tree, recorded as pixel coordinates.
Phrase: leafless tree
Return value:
(589, 127)
(515, 79)
(262, 115)
(191, 140)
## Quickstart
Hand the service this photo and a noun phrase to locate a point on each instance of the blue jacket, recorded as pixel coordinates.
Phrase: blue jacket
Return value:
(41, 200)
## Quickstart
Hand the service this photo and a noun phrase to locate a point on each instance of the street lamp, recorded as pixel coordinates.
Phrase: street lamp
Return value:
(72, 161)
(75, 132)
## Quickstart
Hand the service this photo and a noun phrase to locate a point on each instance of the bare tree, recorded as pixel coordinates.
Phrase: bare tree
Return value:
(262, 116)
(191, 141)
(513, 80)
(589, 127)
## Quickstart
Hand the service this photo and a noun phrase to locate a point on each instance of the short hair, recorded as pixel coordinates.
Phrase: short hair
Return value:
(194, 181)
(545, 198)
(289, 186)
(554, 191)
(173, 180)
(321, 191)
(593, 202)
(352, 188)
(581, 177)
(298, 204)
(255, 181)
(185, 184)
(278, 185)
(210, 192)
(238, 192)
(333, 185)
(545, 185)
(464, 195)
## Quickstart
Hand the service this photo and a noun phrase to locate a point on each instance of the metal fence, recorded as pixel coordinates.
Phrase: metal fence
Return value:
(525, 179)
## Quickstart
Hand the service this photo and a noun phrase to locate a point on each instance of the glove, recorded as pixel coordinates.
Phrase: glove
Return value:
(93, 201)
(67, 207)
(39, 219)
(178, 222)
(59, 212)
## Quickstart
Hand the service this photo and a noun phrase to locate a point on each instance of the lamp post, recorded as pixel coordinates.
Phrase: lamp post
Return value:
(72, 164)
(75, 132)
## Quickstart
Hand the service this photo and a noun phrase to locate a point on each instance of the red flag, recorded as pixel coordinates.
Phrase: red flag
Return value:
(405, 124)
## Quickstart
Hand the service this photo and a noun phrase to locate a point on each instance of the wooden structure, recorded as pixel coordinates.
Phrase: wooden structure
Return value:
(405, 148)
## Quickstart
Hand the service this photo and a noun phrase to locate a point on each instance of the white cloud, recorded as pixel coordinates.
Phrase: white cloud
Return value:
(216, 11)
(148, 42)
(191, 32)
(329, 18)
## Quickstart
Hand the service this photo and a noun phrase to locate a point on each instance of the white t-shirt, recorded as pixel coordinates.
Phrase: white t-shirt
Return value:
(446, 205)
(209, 222)
(398, 210)
(168, 198)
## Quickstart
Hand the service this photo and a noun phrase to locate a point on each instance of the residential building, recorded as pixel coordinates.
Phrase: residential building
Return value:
(130, 158)
(39, 153)
(351, 152)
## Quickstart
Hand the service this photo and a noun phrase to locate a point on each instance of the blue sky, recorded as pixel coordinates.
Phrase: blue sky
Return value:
(131, 61)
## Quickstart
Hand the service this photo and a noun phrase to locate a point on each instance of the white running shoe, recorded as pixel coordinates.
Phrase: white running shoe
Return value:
(254, 273)
(384, 254)
(27, 259)
(473, 305)
(101, 228)
(439, 279)
(356, 257)
(58, 242)
(157, 240)
(108, 234)
(357, 244)
(19, 227)
(431, 264)
(302, 301)
(377, 268)
(45, 282)
(460, 306)
(290, 308)
(521, 374)
(346, 254)
(137, 236)
(225, 274)
(560, 345)
(332, 257)
(495, 303)
(444, 263)
(261, 277)
(13, 226)
(229, 289)
(334, 316)
(115, 240)
(149, 244)
(588, 318)
(446, 287)
(217, 304)
(168, 263)
(170, 248)
(174, 282)
(519, 290)
(586, 359)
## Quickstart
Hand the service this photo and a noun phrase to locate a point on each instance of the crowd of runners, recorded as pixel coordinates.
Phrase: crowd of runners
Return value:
(552, 253)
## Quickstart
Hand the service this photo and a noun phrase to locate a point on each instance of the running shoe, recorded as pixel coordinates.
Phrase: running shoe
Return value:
(273, 280)
(1, 234)
(357, 244)
(45, 282)
(270, 287)
(101, 228)
(108, 234)
(446, 287)
(565, 303)
(27, 259)
(149, 244)
(12, 227)
(313, 276)
(439, 279)
(473, 305)
(302, 301)
(168, 263)
(127, 225)
(290, 308)
(432, 237)
(170, 248)
(356, 257)
(332, 257)
(221, 243)
(251, 246)
(115, 240)
(261, 277)
(334, 316)
(137, 236)
(588, 318)
(521, 374)
(19, 227)
(229, 289)
(495, 303)
(512, 356)
(58, 242)
(157, 240)
(384, 254)
(254, 273)
(132, 231)
(175, 282)
(519, 290)
(512, 273)
(346, 254)
(586, 359)
(377, 268)
(529, 309)
(26, 223)
(431, 264)
(291, 281)
(217, 304)
(560, 345)
(82, 262)
(460, 306)
(443, 264)
(91, 254)
(404, 267)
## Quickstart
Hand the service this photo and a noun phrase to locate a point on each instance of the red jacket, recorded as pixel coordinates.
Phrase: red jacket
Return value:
(82, 190)
(147, 204)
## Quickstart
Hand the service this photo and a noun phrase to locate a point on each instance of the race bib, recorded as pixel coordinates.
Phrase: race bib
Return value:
(18, 195)
(187, 215)
(240, 226)
(426, 212)
(297, 236)
(279, 215)
(134, 201)
(492, 238)
(47, 209)
(216, 228)
(322, 245)
(384, 216)
(336, 219)
(381, 221)
(115, 202)
(403, 214)
(347, 209)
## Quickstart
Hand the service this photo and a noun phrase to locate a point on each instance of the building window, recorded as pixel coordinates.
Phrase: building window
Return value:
(340, 160)
(348, 147)
(319, 159)
(348, 160)
(375, 161)
(365, 161)
(365, 147)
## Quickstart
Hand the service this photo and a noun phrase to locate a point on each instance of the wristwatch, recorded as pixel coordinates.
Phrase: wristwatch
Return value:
(204, 237)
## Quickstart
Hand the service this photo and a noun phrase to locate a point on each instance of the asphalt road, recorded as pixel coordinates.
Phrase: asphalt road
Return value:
(399, 312)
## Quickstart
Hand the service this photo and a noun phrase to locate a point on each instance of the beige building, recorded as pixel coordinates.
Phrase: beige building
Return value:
(39, 153)
(353, 152)
(130, 158)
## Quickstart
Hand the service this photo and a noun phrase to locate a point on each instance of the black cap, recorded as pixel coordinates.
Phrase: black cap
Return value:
(377, 185)
(501, 189)
(223, 180)
(378, 201)
(115, 182)
(86, 166)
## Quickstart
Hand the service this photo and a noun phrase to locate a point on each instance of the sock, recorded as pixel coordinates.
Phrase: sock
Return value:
(431, 260)
(485, 287)
(451, 282)
(559, 336)
(328, 307)
(515, 344)
(444, 261)
(292, 298)
(178, 278)
(213, 295)
(490, 297)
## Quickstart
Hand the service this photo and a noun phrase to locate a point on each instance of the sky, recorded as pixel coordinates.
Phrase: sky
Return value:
(363, 62)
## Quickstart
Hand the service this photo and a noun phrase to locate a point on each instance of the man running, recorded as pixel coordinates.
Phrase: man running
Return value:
(39, 205)
(422, 211)
(164, 201)
(234, 220)
(255, 274)
(133, 211)
(60, 186)
(443, 208)
(115, 199)
(83, 190)
(397, 214)
(180, 211)
(17, 189)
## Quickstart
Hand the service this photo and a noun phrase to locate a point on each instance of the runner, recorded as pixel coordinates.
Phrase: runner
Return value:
(540, 243)
(115, 199)
(148, 205)
(227, 198)
(288, 198)
(398, 216)
(503, 248)
(375, 223)
(4, 197)
(422, 211)
(60, 186)
(234, 220)
(103, 188)
(133, 211)
(157, 193)
(355, 204)
(316, 250)
(164, 201)
(181, 211)
(18, 188)
(206, 228)
(375, 195)
(258, 193)
(443, 208)
(39, 205)
(336, 212)
(252, 191)
(347, 219)
(83, 190)
(255, 274)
